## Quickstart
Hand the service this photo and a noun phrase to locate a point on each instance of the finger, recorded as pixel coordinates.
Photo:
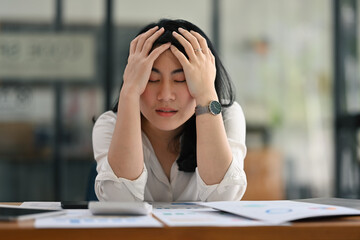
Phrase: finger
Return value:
(186, 44)
(179, 55)
(157, 51)
(202, 41)
(150, 41)
(191, 38)
(212, 56)
(142, 37)
(133, 45)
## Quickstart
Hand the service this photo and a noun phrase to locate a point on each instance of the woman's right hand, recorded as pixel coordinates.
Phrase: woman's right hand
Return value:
(140, 61)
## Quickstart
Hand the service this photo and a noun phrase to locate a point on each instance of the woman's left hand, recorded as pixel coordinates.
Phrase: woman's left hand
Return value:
(199, 69)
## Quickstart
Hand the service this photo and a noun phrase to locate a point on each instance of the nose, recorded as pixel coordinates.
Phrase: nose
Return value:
(166, 91)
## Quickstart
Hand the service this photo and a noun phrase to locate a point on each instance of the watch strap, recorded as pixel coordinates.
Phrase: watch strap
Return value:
(201, 110)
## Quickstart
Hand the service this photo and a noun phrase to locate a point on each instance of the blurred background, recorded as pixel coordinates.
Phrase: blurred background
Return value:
(294, 63)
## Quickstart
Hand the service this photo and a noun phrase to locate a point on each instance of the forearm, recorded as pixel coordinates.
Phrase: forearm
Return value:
(125, 153)
(213, 151)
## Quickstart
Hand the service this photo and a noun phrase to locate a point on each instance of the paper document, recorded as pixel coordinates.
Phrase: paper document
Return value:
(179, 205)
(84, 219)
(192, 214)
(280, 211)
(344, 202)
(190, 218)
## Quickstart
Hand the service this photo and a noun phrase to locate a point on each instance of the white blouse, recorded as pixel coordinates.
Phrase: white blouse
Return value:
(153, 185)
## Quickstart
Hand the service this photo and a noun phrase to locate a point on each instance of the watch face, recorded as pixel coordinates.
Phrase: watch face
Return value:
(215, 107)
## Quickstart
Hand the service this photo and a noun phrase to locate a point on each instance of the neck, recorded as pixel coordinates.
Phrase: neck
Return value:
(161, 138)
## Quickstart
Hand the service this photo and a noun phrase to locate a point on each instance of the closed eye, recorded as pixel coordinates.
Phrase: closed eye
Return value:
(180, 81)
(153, 81)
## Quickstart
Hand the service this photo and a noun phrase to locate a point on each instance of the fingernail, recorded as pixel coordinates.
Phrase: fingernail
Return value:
(181, 29)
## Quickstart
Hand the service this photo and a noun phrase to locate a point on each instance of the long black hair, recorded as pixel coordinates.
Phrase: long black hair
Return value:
(223, 85)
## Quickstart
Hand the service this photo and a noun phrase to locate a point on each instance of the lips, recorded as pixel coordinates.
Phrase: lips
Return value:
(166, 112)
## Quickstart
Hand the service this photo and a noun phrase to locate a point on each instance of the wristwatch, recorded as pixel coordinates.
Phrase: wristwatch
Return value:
(214, 108)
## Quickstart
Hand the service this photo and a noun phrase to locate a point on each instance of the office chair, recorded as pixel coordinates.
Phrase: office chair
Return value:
(90, 193)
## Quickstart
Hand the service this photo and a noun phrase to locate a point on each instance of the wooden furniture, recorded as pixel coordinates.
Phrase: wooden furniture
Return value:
(264, 172)
(325, 228)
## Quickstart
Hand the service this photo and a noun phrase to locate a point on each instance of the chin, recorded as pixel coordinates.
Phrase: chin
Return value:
(167, 125)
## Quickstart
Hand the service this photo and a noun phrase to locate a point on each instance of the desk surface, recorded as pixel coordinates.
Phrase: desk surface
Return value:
(323, 228)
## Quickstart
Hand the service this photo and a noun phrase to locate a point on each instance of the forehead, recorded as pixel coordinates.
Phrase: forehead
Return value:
(167, 60)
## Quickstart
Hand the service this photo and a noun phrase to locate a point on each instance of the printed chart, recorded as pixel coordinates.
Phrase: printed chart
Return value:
(277, 212)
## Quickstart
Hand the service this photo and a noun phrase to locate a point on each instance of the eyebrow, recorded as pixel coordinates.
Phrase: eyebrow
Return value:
(180, 70)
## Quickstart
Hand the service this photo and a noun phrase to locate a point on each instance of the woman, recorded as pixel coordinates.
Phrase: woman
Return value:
(167, 139)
